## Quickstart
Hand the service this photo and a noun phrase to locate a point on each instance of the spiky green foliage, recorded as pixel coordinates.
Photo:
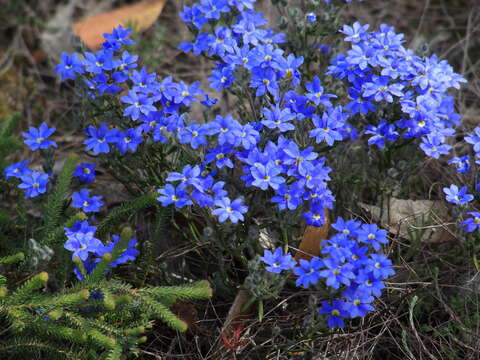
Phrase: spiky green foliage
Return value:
(11, 259)
(105, 319)
(125, 210)
(56, 200)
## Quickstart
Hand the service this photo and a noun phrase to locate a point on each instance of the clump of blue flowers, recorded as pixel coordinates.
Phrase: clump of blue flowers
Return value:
(83, 244)
(271, 150)
(381, 72)
(350, 266)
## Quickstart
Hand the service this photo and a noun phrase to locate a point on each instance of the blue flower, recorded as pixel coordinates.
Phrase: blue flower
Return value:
(456, 196)
(381, 133)
(37, 138)
(371, 234)
(380, 89)
(212, 9)
(472, 223)
(129, 254)
(311, 17)
(336, 313)
(337, 247)
(193, 15)
(117, 38)
(347, 228)
(266, 175)
(289, 197)
(298, 105)
(315, 216)
(248, 136)
(241, 4)
(187, 93)
(198, 45)
(289, 68)
(82, 243)
(69, 66)
(264, 80)
(308, 271)
(232, 210)
(98, 139)
(128, 140)
(358, 303)
(248, 31)
(462, 163)
(369, 284)
(355, 33)
(220, 156)
(85, 172)
(299, 160)
(99, 62)
(474, 139)
(208, 102)
(277, 260)
(222, 42)
(361, 55)
(227, 128)
(145, 82)
(315, 93)
(240, 56)
(104, 85)
(336, 273)
(328, 127)
(17, 170)
(433, 146)
(80, 226)
(87, 203)
(194, 134)
(379, 266)
(139, 104)
(278, 118)
(189, 176)
(171, 195)
(125, 63)
(34, 183)
(222, 77)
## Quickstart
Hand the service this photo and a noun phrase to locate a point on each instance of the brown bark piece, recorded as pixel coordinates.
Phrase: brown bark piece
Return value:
(142, 15)
(312, 237)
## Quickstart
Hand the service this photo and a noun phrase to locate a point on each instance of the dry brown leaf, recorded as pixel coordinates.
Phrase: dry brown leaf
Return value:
(142, 15)
(312, 237)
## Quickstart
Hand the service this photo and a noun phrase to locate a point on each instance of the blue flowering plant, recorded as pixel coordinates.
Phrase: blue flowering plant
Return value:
(267, 165)
(274, 149)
